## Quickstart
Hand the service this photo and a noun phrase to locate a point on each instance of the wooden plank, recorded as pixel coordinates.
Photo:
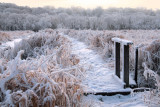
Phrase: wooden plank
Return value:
(126, 65)
(109, 93)
(117, 59)
(118, 92)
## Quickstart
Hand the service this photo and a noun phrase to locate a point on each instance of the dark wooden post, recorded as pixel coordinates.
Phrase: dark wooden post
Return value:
(126, 65)
(125, 43)
(136, 65)
(117, 59)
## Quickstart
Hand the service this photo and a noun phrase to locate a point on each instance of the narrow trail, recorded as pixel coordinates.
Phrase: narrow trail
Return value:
(99, 78)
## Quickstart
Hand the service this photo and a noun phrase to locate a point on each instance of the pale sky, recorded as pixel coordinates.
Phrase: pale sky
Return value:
(149, 4)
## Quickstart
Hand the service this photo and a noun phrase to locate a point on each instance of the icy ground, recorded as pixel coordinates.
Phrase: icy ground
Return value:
(99, 78)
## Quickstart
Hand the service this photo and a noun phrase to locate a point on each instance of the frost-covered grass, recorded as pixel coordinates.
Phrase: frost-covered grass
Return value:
(10, 35)
(41, 71)
(152, 98)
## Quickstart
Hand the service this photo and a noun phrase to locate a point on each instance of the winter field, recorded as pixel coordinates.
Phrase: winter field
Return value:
(54, 68)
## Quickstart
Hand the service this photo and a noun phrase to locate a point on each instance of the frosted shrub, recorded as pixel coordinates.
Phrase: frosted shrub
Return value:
(48, 76)
(24, 18)
(152, 98)
(150, 54)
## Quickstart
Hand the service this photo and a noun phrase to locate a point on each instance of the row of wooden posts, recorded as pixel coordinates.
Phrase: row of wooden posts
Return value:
(125, 59)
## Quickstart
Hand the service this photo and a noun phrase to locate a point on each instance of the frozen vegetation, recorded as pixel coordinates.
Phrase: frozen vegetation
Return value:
(9, 35)
(148, 42)
(40, 71)
(54, 68)
(50, 68)
(14, 17)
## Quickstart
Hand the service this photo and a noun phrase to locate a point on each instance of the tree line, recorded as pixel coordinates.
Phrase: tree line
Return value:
(13, 17)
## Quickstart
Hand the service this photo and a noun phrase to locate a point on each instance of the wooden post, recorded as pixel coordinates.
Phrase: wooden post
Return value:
(136, 65)
(117, 59)
(126, 65)
(125, 43)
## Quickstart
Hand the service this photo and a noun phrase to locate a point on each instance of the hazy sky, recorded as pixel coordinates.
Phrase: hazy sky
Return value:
(150, 4)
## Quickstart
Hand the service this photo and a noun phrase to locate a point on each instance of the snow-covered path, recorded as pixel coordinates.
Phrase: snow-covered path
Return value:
(98, 78)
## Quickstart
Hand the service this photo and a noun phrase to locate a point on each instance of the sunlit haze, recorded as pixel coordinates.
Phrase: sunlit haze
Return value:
(149, 4)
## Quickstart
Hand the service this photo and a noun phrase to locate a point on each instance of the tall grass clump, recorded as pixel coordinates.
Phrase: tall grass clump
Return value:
(41, 71)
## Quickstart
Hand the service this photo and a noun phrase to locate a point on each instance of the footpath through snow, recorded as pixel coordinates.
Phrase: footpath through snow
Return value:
(99, 78)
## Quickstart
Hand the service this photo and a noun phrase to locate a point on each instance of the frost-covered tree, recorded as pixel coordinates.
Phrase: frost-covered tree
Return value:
(14, 17)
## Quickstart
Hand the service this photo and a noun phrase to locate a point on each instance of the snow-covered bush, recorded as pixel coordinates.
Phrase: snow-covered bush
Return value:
(41, 73)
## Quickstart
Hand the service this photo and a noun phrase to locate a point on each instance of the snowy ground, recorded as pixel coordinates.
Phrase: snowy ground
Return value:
(115, 101)
(99, 78)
